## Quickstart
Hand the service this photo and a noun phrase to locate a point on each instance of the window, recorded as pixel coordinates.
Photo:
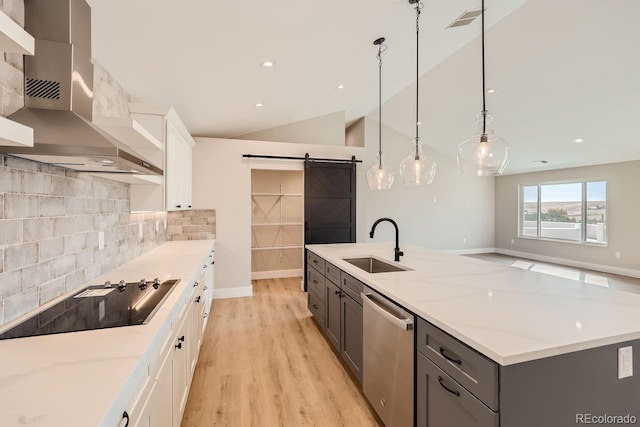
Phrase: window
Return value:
(569, 211)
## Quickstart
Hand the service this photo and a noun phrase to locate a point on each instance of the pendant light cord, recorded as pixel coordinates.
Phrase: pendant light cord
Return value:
(484, 92)
(419, 6)
(380, 105)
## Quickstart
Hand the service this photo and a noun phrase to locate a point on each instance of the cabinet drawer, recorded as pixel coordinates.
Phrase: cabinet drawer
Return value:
(441, 401)
(315, 283)
(474, 371)
(317, 309)
(315, 261)
(332, 273)
(352, 286)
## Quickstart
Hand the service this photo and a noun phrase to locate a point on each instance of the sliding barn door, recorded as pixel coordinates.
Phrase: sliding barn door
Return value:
(329, 202)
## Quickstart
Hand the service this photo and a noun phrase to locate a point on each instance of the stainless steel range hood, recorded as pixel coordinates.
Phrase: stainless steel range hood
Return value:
(59, 95)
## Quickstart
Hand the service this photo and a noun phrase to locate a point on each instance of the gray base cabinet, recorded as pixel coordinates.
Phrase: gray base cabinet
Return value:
(336, 305)
(351, 332)
(442, 402)
(333, 314)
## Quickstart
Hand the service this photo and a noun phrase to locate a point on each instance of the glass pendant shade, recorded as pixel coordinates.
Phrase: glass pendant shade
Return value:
(483, 154)
(380, 176)
(417, 168)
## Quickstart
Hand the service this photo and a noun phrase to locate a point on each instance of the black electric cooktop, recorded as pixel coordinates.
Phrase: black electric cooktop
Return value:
(97, 307)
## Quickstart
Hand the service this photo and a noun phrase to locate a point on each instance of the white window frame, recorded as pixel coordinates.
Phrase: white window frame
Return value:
(583, 222)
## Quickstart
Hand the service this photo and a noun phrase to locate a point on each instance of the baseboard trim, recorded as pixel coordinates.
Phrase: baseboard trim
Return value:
(471, 251)
(224, 293)
(572, 263)
(276, 274)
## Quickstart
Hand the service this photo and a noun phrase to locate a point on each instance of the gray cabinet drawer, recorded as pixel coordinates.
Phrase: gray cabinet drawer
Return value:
(352, 287)
(316, 307)
(441, 401)
(332, 273)
(315, 261)
(474, 371)
(315, 283)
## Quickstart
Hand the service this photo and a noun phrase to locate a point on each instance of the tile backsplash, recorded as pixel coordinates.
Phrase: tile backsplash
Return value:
(194, 224)
(49, 224)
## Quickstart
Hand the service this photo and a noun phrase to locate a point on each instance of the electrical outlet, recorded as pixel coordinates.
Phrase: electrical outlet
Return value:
(513, 241)
(625, 362)
(618, 255)
(140, 231)
(100, 240)
(157, 226)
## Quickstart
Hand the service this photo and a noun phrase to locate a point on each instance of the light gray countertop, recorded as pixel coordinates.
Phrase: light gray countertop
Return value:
(507, 314)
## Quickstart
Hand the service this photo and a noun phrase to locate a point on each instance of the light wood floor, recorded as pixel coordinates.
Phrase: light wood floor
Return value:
(264, 363)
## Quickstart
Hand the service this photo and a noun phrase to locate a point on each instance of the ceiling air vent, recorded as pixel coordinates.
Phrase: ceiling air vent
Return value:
(466, 18)
(37, 88)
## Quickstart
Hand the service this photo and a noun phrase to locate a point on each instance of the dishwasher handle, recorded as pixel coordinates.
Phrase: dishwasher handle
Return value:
(394, 315)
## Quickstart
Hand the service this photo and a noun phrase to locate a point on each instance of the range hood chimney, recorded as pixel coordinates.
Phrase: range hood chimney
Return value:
(59, 95)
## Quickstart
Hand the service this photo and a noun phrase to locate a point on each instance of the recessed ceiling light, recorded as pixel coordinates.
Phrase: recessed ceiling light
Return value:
(578, 140)
(106, 162)
(267, 64)
(258, 105)
(340, 87)
(491, 91)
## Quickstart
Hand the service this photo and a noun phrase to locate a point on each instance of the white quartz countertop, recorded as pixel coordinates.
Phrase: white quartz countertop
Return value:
(507, 314)
(74, 379)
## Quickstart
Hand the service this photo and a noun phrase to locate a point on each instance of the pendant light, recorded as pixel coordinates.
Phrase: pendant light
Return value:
(380, 176)
(417, 168)
(485, 153)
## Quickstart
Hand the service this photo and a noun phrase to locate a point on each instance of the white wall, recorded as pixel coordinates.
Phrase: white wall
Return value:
(322, 130)
(222, 180)
(623, 231)
(455, 212)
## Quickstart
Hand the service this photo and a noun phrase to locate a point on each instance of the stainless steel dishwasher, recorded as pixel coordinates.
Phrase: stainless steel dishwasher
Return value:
(388, 354)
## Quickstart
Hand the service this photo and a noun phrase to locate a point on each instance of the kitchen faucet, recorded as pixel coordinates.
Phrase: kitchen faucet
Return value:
(396, 252)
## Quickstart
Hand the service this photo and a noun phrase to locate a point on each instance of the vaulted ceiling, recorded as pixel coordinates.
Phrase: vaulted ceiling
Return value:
(562, 70)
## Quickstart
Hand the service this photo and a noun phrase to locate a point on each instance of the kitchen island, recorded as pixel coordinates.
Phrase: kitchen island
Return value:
(90, 378)
(550, 345)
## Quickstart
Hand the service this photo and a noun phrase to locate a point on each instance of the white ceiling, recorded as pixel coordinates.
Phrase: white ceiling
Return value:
(562, 69)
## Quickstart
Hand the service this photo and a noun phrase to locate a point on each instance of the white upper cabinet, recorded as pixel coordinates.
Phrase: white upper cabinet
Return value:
(175, 193)
(13, 38)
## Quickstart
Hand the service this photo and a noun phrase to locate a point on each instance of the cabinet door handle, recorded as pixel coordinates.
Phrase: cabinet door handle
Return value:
(198, 299)
(181, 339)
(456, 392)
(124, 422)
(189, 206)
(337, 292)
(213, 262)
(449, 358)
(178, 346)
(315, 281)
(178, 206)
(195, 284)
(315, 261)
(206, 315)
(315, 306)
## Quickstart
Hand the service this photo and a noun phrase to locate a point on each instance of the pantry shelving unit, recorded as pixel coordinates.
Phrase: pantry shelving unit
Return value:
(276, 224)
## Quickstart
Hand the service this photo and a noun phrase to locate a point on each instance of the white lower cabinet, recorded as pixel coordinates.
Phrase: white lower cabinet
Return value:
(164, 396)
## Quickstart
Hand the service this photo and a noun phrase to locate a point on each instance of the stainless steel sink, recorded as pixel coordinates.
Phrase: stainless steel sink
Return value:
(374, 265)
